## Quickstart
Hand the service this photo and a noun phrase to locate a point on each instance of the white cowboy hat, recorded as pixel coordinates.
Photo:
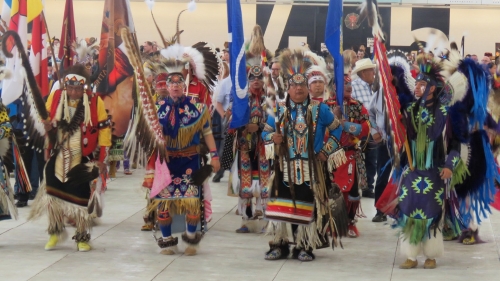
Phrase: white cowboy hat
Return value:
(362, 65)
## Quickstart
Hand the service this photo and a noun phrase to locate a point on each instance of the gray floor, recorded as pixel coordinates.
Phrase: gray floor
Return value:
(122, 252)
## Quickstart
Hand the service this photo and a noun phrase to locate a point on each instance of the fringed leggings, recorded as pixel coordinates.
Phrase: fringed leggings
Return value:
(432, 247)
(165, 223)
(57, 221)
(149, 216)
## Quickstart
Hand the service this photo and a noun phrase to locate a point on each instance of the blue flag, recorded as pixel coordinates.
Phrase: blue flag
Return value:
(237, 65)
(333, 41)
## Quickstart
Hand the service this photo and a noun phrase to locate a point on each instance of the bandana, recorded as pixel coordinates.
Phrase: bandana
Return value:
(315, 78)
(170, 75)
(74, 80)
(161, 81)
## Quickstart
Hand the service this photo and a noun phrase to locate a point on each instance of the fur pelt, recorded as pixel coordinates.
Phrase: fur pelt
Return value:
(256, 44)
(200, 176)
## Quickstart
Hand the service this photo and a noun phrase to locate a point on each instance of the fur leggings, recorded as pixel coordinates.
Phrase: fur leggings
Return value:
(432, 247)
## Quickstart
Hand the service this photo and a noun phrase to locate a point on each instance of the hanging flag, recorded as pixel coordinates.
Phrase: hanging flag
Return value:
(114, 81)
(13, 87)
(68, 37)
(237, 65)
(38, 54)
(333, 41)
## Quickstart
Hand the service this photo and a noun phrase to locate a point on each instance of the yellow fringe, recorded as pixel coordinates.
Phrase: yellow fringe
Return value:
(176, 206)
(186, 135)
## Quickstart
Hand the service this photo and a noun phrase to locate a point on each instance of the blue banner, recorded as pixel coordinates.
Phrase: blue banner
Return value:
(333, 41)
(237, 65)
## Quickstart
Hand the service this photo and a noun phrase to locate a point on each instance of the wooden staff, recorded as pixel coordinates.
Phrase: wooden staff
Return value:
(52, 51)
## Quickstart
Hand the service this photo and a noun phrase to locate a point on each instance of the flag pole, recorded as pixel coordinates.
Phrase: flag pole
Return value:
(51, 45)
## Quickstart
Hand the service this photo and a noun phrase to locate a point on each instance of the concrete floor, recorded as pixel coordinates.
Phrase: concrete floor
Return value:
(122, 252)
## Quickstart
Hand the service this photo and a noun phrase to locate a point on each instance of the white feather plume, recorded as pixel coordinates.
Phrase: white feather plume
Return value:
(430, 42)
(174, 51)
(192, 6)
(401, 61)
(376, 29)
(196, 62)
(150, 4)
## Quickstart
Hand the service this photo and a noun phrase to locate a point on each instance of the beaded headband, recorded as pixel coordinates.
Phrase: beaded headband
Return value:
(74, 80)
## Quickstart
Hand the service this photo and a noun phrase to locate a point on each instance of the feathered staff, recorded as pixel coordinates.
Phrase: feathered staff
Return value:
(391, 103)
(191, 8)
(144, 132)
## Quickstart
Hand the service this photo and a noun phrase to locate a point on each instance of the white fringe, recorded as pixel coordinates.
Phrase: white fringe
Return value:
(87, 120)
(269, 151)
(57, 208)
(337, 159)
(242, 206)
(4, 146)
(279, 231)
(255, 188)
(7, 201)
(235, 177)
(307, 236)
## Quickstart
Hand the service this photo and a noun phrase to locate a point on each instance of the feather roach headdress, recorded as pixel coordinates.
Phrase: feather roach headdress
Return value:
(256, 54)
(430, 71)
(210, 67)
(199, 58)
(294, 66)
(173, 59)
(401, 70)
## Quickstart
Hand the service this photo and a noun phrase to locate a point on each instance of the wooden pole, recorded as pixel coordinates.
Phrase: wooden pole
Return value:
(52, 51)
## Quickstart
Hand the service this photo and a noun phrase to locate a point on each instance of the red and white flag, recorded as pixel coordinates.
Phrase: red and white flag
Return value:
(38, 54)
(13, 87)
(20, 16)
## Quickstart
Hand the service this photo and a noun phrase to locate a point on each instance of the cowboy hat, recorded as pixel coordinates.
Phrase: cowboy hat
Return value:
(362, 65)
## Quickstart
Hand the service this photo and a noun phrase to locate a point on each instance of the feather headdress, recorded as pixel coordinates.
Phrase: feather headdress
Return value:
(431, 68)
(294, 66)
(406, 82)
(256, 54)
(173, 59)
(199, 58)
(210, 65)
